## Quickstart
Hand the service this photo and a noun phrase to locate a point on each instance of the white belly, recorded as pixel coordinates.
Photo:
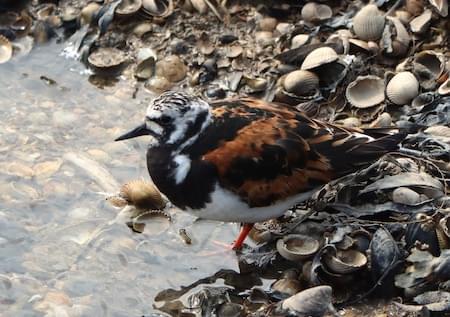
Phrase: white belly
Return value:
(225, 206)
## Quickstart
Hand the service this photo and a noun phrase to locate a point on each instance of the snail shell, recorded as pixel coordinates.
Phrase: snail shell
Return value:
(402, 88)
(368, 23)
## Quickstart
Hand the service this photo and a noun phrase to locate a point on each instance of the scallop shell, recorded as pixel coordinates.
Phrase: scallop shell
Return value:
(127, 8)
(142, 194)
(301, 82)
(368, 23)
(345, 261)
(444, 89)
(318, 57)
(6, 49)
(157, 8)
(365, 91)
(313, 12)
(402, 88)
(296, 247)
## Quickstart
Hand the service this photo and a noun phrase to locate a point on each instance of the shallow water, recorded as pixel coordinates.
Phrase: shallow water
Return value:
(63, 251)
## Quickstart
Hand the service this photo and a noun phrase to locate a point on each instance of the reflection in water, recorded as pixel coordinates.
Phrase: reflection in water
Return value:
(63, 250)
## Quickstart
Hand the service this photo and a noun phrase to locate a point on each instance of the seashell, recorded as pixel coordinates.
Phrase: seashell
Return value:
(264, 38)
(315, 301)
(421, 23)
(383, 121)
(403, 16)
(361, 239)
(319, 56)
(444, 89)
(153, 222)
(288, 286)
(158, 84)
(268, 24)
(402, 88)
(368, 23)
(22, 25)
(358, 45)
(284, 28)
(441, 6)
(428, 67)
(157, 8)
(142, 29)
(313, 12)
(345, 261)
(172, 68)
(127, 8)
(6, 49)
(405, 196)
(234, 51)
(438, 130)
(88, 13)
(351, 122)
(145, 68)
(423, 99)
(296, 247)
(142, 194)
(230, 309)
(117, 201)
(365, 91)
(107, 61)
(299, 40)
(200, 6)
(301, 82)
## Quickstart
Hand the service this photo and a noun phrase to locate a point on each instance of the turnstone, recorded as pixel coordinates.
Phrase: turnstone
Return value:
(247, 160)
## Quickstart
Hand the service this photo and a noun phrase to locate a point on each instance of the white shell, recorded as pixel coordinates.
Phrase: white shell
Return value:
(313, 12)
(296, 247)
(6, 49)
(318, 57)
(402, 88)
(402, 34)
(299, 40)
(433, 61)
(158, 8)
(301, 82)
(421, 23)
(368, 23)
(444, 89)
(438, 130)
(365, 91)
(405, 196)
(345, 261)
(383, 121)
(314, 301)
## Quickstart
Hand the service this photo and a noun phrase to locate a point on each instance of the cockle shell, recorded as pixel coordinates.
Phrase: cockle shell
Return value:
(365, 91)
(402, 88)
(299, 40)
(345, 261)
(368, 23)
(314, 12)
(142, 194)
(296, 247)
(6, 49)
(318, 57)
(301, 82)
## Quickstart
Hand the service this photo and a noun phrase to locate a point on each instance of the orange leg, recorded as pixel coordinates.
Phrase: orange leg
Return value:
(244, 233)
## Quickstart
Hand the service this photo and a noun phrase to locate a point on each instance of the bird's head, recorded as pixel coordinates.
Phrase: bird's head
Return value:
(173, 118)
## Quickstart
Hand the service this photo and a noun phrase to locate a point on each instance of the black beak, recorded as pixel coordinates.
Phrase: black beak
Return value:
(139, 131)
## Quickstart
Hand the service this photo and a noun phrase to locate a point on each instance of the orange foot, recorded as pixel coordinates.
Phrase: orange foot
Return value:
(246, 228)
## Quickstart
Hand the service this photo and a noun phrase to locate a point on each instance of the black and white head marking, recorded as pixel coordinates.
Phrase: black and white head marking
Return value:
(173, 114)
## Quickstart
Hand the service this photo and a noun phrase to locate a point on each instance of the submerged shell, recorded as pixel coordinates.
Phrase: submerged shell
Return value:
(6, 49)
(318, 57)
(314, 12)
(368, 23)
(301, 82)
(107, 61)
(142, 194)
(297, 247)
(402, 88)
(345, 261)
(365, 91)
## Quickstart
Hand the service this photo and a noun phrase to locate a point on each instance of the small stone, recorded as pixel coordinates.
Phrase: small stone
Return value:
(405, 196)
(172, 68)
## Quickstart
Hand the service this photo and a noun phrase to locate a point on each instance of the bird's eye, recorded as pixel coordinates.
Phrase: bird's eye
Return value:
(164, 120)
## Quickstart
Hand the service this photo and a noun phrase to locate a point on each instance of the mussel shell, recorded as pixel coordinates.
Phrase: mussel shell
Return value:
(296, 247)
(6, 49)
(107, 61)
(345, 261)
(365, 91)
(402, 88)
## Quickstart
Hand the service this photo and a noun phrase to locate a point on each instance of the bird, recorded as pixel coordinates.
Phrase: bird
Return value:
(247, 160)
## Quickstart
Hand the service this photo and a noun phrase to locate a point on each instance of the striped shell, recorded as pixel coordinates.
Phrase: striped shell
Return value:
(365, 91)
(6, 49)
(142, 194)
(318, 57)
(402, 88)
(301, 82)
(368, 23)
